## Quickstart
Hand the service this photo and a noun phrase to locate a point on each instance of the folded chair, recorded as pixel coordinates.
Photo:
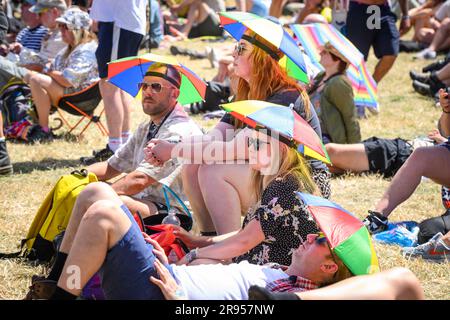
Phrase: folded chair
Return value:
(83, 104)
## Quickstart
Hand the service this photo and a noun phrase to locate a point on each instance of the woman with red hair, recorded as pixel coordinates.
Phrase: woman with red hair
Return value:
(219, 193)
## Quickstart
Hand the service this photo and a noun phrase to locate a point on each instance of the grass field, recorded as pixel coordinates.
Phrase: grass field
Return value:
(403, 114)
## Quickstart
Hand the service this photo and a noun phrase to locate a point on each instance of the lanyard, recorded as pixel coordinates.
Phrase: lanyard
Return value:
(153, 128)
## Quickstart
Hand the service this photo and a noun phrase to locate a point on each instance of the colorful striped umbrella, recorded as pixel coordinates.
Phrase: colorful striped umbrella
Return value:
(126, 73)
(315, 35)
(282, 120)
(236, 23)
(348, 236)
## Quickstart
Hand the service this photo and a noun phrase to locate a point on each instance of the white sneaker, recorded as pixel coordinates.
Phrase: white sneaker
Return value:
(435, 249)
(426, 54)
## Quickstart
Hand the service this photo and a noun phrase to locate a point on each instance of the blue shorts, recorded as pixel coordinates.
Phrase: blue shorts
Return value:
(128, 266)
(114, 43)
(260, 8)
(385, 40)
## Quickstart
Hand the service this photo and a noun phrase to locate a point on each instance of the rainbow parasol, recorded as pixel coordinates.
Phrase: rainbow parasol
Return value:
(236, 23)
(313, 36)
(126, 73)
(348, 236)
(282, 120)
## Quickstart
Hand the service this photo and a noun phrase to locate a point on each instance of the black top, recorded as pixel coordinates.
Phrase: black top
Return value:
(284, 220)
(285, 98)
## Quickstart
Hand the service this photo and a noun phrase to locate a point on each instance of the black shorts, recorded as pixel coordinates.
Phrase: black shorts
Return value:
(386, 156)
(209, 27)
(114, 43)
(385, 40)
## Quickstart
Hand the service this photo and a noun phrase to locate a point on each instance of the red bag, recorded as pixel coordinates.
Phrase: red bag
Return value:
(163, 234)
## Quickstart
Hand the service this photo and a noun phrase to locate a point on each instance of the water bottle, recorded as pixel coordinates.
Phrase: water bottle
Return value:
(172, 218)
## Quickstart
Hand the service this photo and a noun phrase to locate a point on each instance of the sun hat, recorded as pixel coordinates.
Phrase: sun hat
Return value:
(75, 19)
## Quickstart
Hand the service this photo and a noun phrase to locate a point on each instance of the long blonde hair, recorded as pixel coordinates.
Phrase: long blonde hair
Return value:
(292, 164)
(267, 77)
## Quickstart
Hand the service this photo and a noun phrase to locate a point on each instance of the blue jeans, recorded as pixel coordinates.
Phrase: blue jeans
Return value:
(128, 266)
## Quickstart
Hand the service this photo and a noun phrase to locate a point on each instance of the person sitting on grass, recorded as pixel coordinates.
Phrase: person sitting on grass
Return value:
(140, 189)
(432, 162)
(74, 69)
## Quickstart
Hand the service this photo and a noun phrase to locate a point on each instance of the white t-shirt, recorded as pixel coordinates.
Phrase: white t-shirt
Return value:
(224, 282)
(126, 14)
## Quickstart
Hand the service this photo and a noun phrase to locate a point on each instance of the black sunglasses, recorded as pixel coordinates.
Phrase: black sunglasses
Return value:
(255, 142)
(239, 49)
(156, 87)
(322, 239)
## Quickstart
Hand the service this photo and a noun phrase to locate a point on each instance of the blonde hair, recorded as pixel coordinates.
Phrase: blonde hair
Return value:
(81, 36)
(267, 77)
(292, 164)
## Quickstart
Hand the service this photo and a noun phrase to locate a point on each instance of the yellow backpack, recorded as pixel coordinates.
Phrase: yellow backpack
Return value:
(53, 216)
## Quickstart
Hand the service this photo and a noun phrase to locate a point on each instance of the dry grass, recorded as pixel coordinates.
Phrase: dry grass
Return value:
(403, 114)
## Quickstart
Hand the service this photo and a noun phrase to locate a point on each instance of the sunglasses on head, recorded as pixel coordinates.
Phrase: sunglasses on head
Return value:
(155, 86)
(255, 142)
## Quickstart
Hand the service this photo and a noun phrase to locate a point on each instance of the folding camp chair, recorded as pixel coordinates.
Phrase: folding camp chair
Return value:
(82, 104)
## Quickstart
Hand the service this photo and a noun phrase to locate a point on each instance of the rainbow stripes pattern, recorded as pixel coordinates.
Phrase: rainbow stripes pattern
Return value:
(313, 36)
(347, 235)
(126, 73)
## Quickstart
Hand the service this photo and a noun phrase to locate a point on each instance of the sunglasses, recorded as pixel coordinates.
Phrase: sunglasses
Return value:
(322, 239)
(255, 142)
(239, 48)
(155, 86)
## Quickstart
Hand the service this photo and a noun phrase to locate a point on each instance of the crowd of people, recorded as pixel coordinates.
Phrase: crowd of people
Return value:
(61, 48)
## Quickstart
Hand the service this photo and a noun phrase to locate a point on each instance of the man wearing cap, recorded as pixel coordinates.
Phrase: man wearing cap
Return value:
(121, 27)
(140, 188)
(49, 11)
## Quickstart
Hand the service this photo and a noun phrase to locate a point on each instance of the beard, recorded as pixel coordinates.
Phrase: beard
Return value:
(152, 108)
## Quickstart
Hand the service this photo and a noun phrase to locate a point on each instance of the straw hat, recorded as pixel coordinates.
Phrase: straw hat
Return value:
(331, 49)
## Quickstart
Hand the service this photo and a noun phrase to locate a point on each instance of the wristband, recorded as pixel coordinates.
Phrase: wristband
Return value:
(192, 255)
(406, 17)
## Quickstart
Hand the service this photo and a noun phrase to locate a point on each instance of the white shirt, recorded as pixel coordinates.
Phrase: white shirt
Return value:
(224, 282)
(126, 14)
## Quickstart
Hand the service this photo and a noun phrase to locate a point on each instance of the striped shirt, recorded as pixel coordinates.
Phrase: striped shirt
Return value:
(32, 38)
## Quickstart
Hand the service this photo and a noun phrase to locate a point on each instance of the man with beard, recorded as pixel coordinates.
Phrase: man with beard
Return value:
(139, 188)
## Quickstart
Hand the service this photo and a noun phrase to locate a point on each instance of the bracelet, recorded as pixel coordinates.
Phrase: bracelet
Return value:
(192, 255)
(406, 17)
(445, 111)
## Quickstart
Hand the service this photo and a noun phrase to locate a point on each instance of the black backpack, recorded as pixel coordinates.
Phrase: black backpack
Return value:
(429, 227)
(15, 102)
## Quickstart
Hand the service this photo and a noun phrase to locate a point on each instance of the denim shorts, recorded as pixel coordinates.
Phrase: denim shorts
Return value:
(128, 266)
(385, 39)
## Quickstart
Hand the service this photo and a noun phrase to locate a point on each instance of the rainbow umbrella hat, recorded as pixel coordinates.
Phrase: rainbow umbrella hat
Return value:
(313, 36)
(348, 236)
(236, 23)
(282, 120)
(126, 73)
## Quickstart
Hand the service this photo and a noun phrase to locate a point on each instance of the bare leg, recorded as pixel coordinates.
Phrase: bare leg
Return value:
(424, 35)
(192, 190)
(349, 157)
(276, 8)
(114, 109)
(92, 193)
(198, 12)
(392, 284)
(430, 162)
(383, 66)
(45, 92)
(225, 189)
(440, 38)
(444, 73)
(102, 226)
(127, 103)
(145, 208)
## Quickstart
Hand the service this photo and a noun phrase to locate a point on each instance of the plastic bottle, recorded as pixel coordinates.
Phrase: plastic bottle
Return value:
(172, 218)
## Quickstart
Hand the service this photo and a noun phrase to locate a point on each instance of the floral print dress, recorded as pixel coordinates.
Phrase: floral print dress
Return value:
(284, 220)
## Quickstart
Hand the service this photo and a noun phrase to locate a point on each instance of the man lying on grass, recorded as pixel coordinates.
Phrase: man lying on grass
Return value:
(132, 266)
